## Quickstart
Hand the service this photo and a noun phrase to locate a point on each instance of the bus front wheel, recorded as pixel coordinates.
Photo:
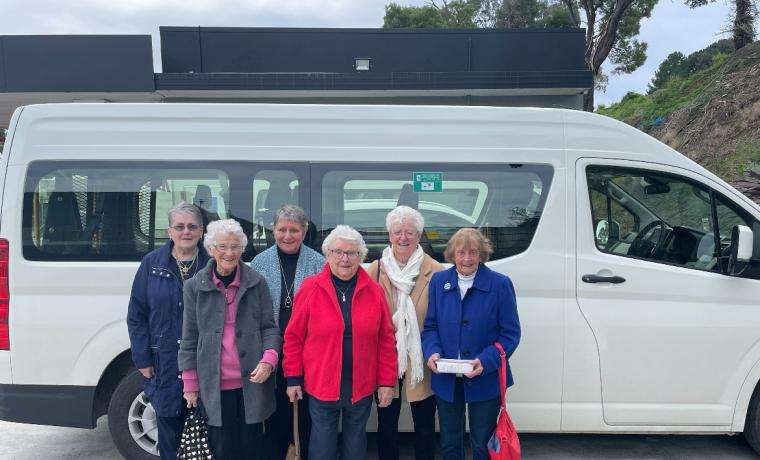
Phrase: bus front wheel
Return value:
(132, 420)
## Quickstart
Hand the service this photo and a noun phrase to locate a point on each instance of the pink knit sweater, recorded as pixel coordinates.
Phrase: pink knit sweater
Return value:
(230, 363)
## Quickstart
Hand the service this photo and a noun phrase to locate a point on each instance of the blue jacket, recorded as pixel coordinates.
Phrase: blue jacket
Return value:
(310, 262)
(467, 328)
(154, 321)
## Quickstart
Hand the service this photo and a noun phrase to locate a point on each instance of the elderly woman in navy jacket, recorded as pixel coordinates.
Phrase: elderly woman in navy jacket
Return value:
(470, 307)
(154, 320)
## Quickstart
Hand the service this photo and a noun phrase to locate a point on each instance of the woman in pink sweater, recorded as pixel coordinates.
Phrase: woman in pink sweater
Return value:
(228, 354)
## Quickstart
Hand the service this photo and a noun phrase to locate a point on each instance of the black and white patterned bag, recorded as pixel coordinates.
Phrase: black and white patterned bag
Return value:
(194, 442)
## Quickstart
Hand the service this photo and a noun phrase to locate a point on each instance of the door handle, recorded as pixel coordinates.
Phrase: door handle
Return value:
(602, 279)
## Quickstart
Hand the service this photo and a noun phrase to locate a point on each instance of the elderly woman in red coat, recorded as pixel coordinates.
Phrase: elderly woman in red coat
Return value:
(340, 347)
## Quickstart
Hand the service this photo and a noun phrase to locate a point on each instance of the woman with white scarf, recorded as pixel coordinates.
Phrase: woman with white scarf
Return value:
(404, 272)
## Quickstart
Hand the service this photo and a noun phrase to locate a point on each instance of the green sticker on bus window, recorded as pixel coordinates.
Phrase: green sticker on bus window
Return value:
(427, 181)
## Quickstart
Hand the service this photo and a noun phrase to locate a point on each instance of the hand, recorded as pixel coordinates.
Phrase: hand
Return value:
(384, 396)
(146, 372)
(294, 393)
(261, 373)
(192, 399)
(431, 362)
(477, 369)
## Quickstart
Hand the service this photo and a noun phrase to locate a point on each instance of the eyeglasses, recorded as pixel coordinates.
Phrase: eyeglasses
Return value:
(339, 253)
(232, 248)
(408, 235)
(181, 227)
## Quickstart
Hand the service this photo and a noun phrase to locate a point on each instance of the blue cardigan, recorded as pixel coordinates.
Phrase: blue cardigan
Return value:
(310, 262)
(467, 328)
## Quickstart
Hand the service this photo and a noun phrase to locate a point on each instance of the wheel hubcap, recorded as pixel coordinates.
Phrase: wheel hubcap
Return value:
(143, 425)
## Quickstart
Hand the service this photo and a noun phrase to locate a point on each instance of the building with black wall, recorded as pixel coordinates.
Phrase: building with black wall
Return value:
(504, 67)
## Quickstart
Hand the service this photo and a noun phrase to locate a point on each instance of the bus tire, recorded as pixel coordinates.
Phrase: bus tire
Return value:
(132, 421)
(752, 423)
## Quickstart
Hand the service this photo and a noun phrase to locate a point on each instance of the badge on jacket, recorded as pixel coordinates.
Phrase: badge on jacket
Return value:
(447, 286)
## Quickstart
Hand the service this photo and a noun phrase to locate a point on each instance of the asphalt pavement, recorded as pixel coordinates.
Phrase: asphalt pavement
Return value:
(34, 442)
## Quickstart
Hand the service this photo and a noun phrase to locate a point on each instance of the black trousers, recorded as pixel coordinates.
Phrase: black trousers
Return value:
(278, 429)
(169, 434)
(235, 439)
(423, 416)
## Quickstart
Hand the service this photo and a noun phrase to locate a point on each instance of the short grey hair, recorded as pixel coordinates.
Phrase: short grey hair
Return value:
(224, 227)
(185, 208)
(292, 213)
(344, 232)
(402, 214)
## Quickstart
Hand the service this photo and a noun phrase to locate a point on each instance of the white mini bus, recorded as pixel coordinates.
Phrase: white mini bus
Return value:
(637, 271)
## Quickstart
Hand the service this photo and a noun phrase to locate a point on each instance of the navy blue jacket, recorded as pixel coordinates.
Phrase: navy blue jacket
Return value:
(154, 321)
(467, 329)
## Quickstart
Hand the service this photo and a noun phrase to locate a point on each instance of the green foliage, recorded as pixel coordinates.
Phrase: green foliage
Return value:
(678, 65)
(628, 56)
(556, 15)
(644, 110)
(628, 53)
(519, 13)
(479, 13)
(459, 14)
(745, 158)
(412, 17)
(672, 66)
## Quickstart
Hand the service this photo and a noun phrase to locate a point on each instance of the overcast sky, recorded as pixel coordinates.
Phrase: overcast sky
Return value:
(673, 27)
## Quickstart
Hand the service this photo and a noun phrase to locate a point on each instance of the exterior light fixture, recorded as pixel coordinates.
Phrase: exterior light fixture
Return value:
(362, 64)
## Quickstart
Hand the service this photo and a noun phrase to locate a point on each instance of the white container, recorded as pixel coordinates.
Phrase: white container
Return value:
(454, 366)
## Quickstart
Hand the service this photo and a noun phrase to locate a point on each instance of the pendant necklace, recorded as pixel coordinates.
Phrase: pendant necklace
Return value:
(288, 290)
(342, 292)
(184, 270)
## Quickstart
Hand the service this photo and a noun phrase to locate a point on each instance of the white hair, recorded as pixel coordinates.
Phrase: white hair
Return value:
(401, 214)
(346, 233)
(224, 227)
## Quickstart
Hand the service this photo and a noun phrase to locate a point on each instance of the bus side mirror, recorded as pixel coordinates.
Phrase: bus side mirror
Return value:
(744, 250)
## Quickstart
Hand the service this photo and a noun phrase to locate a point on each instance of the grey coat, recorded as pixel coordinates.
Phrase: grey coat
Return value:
(255, 331)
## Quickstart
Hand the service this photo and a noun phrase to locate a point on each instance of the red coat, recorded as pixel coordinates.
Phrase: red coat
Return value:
(313, 346)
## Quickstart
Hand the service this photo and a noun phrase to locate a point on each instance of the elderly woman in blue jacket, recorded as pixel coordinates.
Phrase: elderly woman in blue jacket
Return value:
(284, 266)
(470, 307)
(154, 320)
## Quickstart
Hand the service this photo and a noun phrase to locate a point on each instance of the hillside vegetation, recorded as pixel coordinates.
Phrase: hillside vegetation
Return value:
(710, 111)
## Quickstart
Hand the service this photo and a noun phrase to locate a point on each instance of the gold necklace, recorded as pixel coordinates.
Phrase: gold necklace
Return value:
(184, 270)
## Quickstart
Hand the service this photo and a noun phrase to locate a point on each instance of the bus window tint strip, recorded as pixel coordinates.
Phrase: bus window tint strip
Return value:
(116, 211)
(504, 201)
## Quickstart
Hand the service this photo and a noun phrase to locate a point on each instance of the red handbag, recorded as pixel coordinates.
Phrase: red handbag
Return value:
(504, 444)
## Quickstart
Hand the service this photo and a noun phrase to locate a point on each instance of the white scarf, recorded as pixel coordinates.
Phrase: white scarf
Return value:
(408, 340)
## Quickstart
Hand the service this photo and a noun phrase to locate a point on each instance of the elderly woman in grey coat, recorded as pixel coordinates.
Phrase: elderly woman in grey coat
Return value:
(230, 345)
(284, 266)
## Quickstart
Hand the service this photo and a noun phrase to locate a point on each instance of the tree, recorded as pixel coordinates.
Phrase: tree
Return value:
(678, 65)
(453, 14)
(478, 13)
(743, 31)
(671, 67)
(744, 23)
(611, 30)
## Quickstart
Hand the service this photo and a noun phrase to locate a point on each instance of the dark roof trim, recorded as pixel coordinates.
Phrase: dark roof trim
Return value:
(376, 81)
(527, 30)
